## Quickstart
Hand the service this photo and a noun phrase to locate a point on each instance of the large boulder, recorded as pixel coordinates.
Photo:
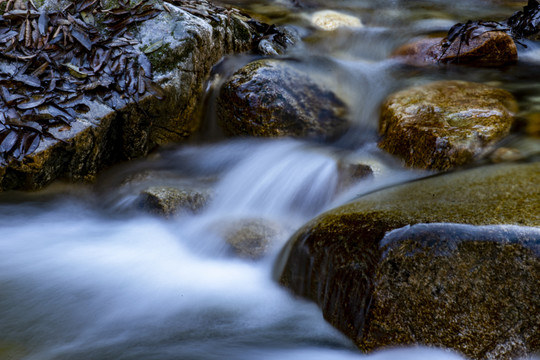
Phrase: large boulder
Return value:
(445, 124)
(272, 98)
(124, 124)
(451, 261)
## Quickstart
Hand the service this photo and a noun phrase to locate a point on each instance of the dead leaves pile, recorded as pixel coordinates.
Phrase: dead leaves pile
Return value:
(55, 61)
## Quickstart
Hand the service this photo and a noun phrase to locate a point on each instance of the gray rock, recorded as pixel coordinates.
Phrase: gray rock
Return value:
(118, 129)
(385, 281)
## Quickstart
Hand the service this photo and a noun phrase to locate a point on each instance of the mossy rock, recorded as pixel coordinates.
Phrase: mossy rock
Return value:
(445, 124)
(467, 280)
(271, 98)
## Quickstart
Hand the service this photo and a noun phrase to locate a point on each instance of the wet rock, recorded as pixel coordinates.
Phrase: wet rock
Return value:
(330, 20)
(169, 200)
(271, 98)
(350, 172)
(467, 280)
(445, 124)
(251, 238)
(490, 49)
(119, 127)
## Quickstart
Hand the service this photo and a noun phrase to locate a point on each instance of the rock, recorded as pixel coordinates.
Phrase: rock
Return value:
(331, 20)
(470, 287)
(445, 124)
(350, 172)
(251, 238)
(118, 128)
(490, 49)
(270, 98)
(168, 200)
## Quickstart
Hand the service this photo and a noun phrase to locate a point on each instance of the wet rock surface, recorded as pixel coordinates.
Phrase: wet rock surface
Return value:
(117, 126)
(468, 284)
(269, 98)
(168, 200)
(490, 49)
(445, 124)
(251, 238)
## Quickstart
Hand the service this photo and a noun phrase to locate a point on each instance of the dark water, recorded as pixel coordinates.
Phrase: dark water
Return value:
(84, 276)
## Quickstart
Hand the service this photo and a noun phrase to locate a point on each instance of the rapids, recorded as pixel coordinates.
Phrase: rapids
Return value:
(85, 275)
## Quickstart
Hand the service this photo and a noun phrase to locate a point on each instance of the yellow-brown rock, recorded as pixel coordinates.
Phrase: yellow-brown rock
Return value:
(450, 261)
(445, 124)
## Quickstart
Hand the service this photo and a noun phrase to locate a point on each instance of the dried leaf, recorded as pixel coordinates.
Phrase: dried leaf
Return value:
(32, 103)
(43, 22)
(82, 38)
(8, 139)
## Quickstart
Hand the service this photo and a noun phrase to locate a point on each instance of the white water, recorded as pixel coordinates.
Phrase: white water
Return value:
(77, 283)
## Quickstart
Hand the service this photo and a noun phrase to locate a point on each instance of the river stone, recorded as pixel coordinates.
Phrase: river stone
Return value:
(168, 200)
(271, 98)
(476, 293)
(119, 129)
(251, 238)
(350, 172)
(490, 49)
(331, 20)
(445, 124)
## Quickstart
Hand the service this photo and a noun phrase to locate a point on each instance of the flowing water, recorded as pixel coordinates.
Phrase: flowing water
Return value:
(84, 274)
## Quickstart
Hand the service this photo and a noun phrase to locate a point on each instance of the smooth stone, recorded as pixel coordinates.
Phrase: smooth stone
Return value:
(445, 124)
(470, 284)
(331, 20)
(168, 200)
(251, 238)
(490, 49)
(271, 98)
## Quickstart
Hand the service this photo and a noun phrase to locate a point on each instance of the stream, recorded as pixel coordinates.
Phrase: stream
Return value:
(85, 274)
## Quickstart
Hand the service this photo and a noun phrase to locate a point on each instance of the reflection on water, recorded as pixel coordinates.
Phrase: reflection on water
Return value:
(85, 275)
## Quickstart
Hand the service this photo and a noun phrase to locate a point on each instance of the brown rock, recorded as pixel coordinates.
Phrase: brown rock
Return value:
(493, 48)
(446, 123)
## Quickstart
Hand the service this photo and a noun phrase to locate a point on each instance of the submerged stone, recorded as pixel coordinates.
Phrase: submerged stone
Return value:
(251, 238)
(469, 284)
(168, 200)
(445, 124)
(331, 20)
(270, 98)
